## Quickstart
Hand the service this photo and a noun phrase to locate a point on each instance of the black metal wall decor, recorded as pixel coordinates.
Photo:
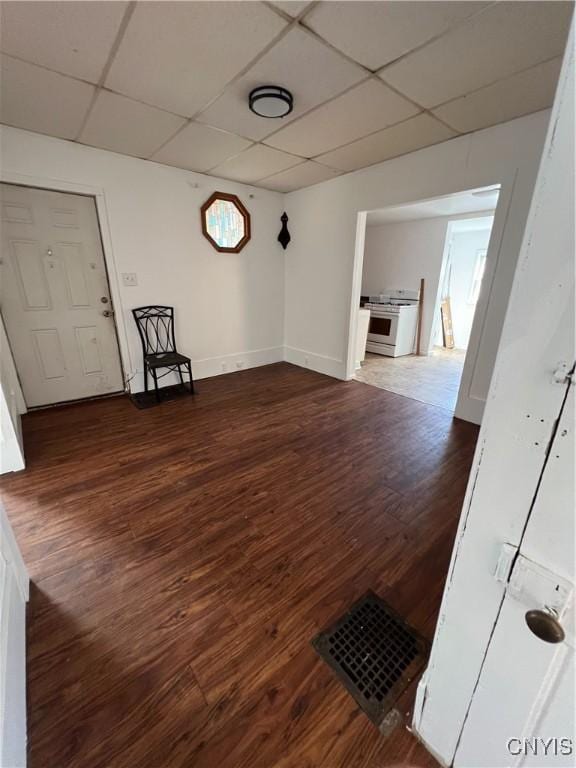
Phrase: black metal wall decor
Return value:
(284, 236)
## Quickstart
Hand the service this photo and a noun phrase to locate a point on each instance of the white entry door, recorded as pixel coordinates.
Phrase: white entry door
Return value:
(55, 296)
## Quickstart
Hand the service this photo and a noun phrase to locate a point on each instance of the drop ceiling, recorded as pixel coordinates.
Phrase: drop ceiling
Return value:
(169, 81)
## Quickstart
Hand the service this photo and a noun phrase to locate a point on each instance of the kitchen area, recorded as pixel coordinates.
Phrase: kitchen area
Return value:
(421, 279)
(390, 360)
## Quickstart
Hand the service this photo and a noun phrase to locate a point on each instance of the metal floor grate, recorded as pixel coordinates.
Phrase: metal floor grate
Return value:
(374, 653)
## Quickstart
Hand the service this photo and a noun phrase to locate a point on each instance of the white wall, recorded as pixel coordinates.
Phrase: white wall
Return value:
(12, 405)
(229, 307)
(322, 286)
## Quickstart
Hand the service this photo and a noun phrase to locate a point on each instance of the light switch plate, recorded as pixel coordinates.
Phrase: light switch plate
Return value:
(129, 278)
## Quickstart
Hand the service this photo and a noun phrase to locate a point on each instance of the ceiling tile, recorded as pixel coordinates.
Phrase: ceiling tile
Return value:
(39, 100)
(500, 41)
(180, 55)
(420, 131)
(360, 111)
(292, 7)
(312, 71)
(199, 148)
(255, 163)
(375, 33)
(526, 92)
(71, 37)
(127, 126)
(303, 175)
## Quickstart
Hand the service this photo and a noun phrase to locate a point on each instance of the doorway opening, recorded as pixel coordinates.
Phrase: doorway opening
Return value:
(422, 272)
(56, 299)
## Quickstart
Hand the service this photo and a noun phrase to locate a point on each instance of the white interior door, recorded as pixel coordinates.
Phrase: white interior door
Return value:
(523, 706)
(522, 712)
(55, 296)
(495, 694)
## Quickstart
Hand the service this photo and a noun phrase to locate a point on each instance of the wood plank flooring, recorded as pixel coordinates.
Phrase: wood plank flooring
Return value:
(184, 556)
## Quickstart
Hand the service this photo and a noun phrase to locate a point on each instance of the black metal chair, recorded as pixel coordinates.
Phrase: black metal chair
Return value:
(156, 328)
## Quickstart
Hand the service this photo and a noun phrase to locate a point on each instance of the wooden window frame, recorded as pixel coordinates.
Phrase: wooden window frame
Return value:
(244, 213)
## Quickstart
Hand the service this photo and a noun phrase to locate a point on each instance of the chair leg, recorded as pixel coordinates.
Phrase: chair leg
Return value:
(156, 390)
(180, 374)
(145, 378)
(189, 366)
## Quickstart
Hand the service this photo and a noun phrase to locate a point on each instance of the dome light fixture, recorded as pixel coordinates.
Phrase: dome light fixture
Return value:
(271, 101)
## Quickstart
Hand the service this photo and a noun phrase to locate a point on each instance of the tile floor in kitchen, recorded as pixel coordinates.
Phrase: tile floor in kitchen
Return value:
(432, 379)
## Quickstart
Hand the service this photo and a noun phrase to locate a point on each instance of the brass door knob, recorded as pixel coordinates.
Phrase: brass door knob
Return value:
(545, 626)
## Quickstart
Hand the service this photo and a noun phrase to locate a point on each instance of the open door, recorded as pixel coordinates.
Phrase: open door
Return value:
(522, 711)
(499, 688)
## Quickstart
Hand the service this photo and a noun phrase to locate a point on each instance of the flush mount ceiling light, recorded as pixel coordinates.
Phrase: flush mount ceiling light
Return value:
(271, 101)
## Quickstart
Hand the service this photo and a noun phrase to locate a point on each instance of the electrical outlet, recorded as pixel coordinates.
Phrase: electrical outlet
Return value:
(129, 278)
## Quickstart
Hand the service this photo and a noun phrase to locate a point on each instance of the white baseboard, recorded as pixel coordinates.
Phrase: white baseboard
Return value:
(330, 366)
(470, 409)
(217, 366)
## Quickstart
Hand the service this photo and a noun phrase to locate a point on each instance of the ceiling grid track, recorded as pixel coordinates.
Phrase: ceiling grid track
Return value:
(113, 51)
(436, 124)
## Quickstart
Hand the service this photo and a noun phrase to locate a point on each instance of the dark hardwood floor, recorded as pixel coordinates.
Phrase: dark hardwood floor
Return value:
(184, 556)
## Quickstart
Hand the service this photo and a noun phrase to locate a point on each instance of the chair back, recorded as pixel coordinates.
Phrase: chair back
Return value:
(156, 328)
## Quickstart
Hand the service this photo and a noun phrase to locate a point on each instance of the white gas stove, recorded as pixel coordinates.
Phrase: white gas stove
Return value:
(393, 322)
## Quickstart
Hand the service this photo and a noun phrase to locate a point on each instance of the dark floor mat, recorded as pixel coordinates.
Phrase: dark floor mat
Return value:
(374, 654)
(143, 400)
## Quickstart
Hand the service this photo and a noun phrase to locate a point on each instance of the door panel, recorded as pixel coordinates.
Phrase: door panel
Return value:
(73, 264)
(64, 218)
(29, 273)
(532, 701)
(48, 348)
(17, 214)
(53, 282)
(89, 349)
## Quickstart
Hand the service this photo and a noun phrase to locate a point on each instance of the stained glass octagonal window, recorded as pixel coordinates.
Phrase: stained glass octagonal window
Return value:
(225, 222)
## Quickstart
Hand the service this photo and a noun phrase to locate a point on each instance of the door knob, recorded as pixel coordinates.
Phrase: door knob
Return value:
(545, 626)
(108, 313)
(104, 299)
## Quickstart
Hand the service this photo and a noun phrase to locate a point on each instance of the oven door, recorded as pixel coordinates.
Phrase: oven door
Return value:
(383, 327)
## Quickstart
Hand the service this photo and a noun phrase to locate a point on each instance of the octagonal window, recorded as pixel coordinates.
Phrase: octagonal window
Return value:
(225, 222)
